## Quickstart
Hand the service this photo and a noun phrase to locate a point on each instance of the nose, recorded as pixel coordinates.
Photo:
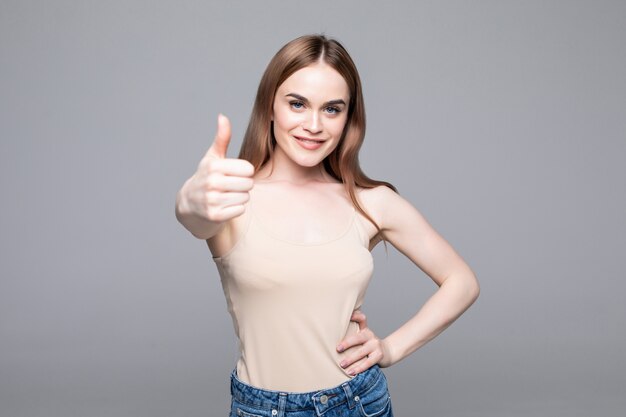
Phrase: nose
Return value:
(313, 123)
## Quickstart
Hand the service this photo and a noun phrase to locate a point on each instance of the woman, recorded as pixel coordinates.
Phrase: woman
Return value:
(291, 224)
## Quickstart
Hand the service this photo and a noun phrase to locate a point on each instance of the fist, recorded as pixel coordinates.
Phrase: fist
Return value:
(220, 186)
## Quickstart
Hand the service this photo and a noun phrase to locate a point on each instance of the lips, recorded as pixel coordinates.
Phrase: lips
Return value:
(309, 144)
(310, 140)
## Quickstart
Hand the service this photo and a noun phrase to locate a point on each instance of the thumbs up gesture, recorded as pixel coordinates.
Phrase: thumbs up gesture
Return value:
(218, 189)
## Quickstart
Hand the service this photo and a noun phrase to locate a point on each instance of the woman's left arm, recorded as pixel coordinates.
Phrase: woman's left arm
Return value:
(409, 232)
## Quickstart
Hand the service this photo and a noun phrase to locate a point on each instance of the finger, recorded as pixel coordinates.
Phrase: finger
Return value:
(231, 166)
(355, 357)
(352, 340)
(360, 366)
(233, 199)
(365, 362)
(222, 138)
(227, 183)
(359, 317)
(229, 212)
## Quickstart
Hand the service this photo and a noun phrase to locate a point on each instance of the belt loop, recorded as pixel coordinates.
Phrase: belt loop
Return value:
(282, 401)
(348, 391)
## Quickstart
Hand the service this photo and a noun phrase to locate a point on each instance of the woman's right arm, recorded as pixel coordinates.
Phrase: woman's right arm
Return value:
(218, 189)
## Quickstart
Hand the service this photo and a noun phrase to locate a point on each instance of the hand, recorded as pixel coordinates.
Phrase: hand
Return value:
(372, 351)
(219, 188)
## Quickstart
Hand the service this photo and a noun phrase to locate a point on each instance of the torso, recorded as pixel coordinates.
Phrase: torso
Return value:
(293, 267)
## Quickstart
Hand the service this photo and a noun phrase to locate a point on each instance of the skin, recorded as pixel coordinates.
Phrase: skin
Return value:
(301, 109)
(409, 232)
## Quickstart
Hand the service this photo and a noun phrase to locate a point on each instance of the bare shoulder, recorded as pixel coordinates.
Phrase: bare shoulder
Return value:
(377, 192)
(376, 202)
(379, 200)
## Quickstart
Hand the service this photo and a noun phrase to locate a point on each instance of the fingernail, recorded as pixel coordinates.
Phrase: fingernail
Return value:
(340, 348)
(343, 363)
(352, 372)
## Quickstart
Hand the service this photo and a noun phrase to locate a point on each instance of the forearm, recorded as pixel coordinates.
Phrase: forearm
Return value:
(455, 295)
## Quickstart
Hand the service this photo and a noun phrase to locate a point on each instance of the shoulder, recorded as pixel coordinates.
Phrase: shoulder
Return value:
(386, 206)
(379, 199)
(376, 194)
(379, 202)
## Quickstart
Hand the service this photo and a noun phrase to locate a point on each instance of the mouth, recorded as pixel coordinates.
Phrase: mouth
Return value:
(309, 140)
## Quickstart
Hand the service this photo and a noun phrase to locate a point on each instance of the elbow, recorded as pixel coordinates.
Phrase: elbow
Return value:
(475, 294)
(469, 287)
(466, 287)
(474, 290)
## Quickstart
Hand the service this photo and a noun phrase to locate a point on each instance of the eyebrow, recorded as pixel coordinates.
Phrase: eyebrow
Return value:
(328, 103)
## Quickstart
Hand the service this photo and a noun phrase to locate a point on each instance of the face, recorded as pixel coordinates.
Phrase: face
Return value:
(309, 113)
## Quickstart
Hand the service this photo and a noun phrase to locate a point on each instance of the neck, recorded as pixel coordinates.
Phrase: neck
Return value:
(283, 168)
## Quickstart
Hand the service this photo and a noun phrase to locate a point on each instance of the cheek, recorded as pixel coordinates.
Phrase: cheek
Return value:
(337, 126)
(285, 120)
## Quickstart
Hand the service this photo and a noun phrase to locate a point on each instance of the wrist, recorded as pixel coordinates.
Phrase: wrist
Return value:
(388, 354)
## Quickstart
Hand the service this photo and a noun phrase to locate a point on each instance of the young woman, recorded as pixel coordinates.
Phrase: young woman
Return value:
(291, 224)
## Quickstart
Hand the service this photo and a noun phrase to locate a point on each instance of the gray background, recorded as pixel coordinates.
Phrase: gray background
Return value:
(503, 122)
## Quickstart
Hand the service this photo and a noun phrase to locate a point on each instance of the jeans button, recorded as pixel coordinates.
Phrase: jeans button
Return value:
(324, 399)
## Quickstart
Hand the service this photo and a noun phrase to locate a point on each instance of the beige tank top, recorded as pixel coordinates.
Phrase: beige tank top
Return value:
(291, 303)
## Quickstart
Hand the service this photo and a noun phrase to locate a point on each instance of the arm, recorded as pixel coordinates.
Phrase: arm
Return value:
(409, 232)
(218, 189)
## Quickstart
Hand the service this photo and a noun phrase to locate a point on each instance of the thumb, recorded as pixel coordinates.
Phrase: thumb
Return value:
(359, 317)
(222, 137)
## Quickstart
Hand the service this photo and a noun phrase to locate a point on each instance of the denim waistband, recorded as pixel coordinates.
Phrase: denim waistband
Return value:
(321, 400)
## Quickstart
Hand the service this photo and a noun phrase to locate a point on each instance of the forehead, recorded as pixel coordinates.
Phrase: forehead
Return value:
(317, 82)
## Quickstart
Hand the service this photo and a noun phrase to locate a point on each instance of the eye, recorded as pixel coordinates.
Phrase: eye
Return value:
(296, 104)
(333, 109)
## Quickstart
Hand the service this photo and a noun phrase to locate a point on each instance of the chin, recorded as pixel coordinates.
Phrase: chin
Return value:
(310, 163)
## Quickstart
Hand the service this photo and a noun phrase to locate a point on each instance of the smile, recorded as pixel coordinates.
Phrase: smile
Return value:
(310, 144)
(303, 139)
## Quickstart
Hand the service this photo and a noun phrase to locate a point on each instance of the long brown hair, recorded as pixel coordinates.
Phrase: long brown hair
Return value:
(343, 163)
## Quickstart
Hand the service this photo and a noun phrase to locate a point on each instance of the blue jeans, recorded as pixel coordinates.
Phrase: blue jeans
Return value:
(365, 395)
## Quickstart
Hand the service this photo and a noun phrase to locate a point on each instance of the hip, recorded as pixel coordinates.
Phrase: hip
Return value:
(365, 395)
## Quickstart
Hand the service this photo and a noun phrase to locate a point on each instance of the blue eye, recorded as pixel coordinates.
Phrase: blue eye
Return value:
(333, 110)
(296, 104)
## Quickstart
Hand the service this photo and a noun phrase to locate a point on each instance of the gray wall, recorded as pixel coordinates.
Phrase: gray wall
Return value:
(503, 122)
